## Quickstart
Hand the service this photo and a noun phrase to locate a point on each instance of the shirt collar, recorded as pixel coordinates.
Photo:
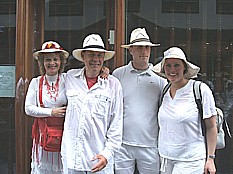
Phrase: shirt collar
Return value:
(80, 74)
(146, 72)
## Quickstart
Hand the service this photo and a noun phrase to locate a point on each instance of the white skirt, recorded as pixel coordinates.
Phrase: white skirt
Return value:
(44, 162)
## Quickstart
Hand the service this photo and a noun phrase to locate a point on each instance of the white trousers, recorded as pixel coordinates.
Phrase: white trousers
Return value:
(182, 167)
(146, 159)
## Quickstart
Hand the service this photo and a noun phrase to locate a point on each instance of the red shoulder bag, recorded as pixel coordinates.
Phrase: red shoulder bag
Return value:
(50, 128)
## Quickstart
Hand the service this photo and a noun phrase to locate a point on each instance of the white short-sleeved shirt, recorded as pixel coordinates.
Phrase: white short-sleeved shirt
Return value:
(93, 123)
(180, 135)
(141, 91)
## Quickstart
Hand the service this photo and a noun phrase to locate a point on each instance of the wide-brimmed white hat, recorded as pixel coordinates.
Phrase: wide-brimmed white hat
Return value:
(175, 52)
(93, 42)
(139, 37)
(50, 47)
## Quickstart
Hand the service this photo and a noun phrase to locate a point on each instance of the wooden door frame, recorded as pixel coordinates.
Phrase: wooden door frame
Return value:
(26, 41)
(119, 57)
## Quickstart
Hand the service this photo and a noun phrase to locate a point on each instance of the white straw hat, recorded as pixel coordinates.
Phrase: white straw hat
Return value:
(93, 42)
(50, 47)
(175, 52)
(139, 37)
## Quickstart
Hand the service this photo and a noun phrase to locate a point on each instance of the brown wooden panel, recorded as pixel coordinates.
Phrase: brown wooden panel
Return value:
(25, 38)
(119, 32)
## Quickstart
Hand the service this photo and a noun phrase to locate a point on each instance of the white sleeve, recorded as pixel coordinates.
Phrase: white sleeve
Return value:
(31, 102)
(209, 108)
(114, 133)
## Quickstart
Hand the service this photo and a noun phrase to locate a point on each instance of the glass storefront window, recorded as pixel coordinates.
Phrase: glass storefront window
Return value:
(69, 22)
(203, 29)
(7, 85)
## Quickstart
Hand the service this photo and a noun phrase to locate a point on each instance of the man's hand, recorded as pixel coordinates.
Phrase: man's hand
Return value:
(102, 162)
(104, 73)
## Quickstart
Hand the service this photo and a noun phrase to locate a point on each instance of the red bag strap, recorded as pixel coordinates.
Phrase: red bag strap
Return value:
(41, 121)
(38, 121)
(40, 91)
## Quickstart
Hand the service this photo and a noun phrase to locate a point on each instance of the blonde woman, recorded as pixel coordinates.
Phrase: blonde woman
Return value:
(51, 59)
(181, 143)
(46, 98)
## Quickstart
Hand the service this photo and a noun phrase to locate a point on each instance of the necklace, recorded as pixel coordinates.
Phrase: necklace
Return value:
(52, 90)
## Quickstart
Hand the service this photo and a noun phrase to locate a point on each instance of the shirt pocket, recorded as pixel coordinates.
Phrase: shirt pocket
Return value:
(73, 98)
(101, 106)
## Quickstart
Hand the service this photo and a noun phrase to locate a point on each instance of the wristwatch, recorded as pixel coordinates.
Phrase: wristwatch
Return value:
(212, 156)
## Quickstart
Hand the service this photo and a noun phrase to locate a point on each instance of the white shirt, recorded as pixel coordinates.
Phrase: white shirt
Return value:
(141, 90)
(180, 135)
(32, 103)
(94, 119)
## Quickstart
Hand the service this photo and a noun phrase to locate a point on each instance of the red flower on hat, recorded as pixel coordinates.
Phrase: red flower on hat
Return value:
(52, 46)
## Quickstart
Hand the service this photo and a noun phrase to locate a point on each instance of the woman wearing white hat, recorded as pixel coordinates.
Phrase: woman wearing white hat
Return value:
(181, 143)
(46, 100)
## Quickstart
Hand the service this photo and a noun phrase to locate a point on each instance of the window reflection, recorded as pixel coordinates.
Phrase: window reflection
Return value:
(69, 22)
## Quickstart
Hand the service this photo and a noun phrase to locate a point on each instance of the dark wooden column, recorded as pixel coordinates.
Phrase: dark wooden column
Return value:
(119, 32)
(24, 72)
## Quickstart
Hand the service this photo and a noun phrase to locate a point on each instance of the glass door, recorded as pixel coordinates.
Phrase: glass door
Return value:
(7, 85)
(69, 22)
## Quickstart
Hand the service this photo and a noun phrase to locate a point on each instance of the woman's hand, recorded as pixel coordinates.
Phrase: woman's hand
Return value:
(209, 166)
(211, 136)
(59, 112)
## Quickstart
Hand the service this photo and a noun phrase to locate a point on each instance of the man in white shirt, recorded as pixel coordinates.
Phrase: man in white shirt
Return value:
(141, 91)
(94, 116)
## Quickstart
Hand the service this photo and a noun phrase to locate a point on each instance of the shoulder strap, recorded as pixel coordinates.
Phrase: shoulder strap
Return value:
(197, 90)
(227, 127)
(40, 91)
(165, 89)
(198, 100)
(37, 121)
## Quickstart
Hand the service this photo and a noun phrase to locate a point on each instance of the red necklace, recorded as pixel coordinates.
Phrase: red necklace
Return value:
(52, 90)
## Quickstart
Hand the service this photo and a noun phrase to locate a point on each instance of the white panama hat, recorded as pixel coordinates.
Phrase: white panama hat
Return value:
(175, 52)
(50, 47)
(93, 42)
(139, 37)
